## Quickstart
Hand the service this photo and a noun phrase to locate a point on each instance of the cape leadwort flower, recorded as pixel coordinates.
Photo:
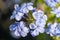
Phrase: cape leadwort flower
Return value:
(25, 7)
(53, 29)
(35, 28)
(51, 3)
(16, 13)
(39, 23)
(19, 29)
(56, 11)
(19, 12)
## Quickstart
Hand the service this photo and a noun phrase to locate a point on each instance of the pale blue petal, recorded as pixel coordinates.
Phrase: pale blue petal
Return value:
(32, 26)
(34, 33)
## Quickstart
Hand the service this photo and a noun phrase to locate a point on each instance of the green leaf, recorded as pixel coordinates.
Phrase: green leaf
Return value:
(42, 36)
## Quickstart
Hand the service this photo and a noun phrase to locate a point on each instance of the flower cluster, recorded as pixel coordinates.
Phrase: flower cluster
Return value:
(19, 29)
(56, 11)
(51, 3)
(40, 21)
(19, 12)
(53, 29)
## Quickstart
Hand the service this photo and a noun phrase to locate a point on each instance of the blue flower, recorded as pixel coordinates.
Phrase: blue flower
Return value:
(15, 34)
(58, 29)
(19, 12)
(39, 23)
(13, 15)
(53, 29)
(56, 11)
(34, 33)
(51, 3)
(19, 16)
(25, 7)
(32, 26)
(16, 6)
(35, 30)
(23, 34)
(13, 27)
(19, 30)
(41, 29)
(16, 13)
(25, 29)
(37, 15)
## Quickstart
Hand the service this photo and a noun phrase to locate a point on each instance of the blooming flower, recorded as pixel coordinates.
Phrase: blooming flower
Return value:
(32, 26)
(15, 34)
(13, 26)
(53, 29)
(51, 3)
(38, 14)
(56, 12)
(16, 13)
(19, 30)
(25, 7)
(18, 16)
(39, 23)
(34, 33)
(35, 30)
(19, 12)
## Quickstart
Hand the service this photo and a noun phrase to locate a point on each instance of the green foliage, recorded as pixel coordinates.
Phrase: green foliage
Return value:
(43, 37)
